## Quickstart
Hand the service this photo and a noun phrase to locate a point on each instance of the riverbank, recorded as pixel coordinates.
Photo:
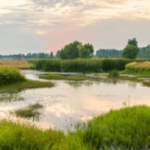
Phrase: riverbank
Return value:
(127, 128)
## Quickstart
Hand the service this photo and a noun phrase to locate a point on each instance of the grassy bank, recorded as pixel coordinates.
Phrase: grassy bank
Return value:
(124, 129)
(27, 84)
(81, 65)
(11, 79)
(61, 77)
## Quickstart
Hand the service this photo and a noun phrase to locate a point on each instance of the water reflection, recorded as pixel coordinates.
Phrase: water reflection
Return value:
(10, 96)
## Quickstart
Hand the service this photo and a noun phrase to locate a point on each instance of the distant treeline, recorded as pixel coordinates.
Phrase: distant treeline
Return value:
(144, 52)
(29, 56)
(108, 53)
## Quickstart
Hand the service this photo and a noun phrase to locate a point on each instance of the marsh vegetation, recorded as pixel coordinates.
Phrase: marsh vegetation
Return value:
(31, 111)
(62, 77)
(124, 129)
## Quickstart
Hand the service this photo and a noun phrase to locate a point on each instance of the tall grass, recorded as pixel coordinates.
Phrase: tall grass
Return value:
(9, 75)
(138, 67)
(124, 129)
(81, 65)
(127, 128)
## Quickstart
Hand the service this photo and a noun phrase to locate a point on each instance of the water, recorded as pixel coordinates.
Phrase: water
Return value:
(72, 101)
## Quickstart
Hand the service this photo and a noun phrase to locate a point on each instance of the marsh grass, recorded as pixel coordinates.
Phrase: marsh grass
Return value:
(30, 111)
(127, 128)
(113, 74)
(61, 77)
(28, 84)
(138, 67)
(10, 75)
(124, 129)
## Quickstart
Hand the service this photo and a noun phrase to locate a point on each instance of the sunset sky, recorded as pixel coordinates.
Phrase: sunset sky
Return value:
(47, 25)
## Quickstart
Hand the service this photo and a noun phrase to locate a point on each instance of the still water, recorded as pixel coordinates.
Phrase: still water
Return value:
(73, 101)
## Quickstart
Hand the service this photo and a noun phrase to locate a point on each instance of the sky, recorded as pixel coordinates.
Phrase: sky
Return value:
(48, 25)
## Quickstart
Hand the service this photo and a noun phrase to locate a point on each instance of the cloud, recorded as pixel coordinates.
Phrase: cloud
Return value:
(59, 22)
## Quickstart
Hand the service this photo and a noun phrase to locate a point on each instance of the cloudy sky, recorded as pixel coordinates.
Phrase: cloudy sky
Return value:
(48, 25)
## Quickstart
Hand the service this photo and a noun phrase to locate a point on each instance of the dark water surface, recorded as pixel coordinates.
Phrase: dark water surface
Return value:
(72, 101)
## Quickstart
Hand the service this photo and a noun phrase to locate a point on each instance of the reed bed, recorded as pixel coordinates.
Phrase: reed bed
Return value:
(81, 65)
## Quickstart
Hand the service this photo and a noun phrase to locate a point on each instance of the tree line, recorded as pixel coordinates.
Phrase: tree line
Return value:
(29, 56)
(78, 50)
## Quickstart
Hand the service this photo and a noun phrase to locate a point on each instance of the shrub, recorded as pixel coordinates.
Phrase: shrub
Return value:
(114, 73)
(9, 75)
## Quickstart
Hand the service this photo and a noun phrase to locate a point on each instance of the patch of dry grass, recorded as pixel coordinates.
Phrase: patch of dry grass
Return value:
(20, 64)
(138, 66)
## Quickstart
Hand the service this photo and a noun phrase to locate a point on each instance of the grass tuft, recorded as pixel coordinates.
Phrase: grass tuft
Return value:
(29, 111)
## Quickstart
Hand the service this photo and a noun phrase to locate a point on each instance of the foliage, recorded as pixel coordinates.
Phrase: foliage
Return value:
(130, 52)
(144, 52)
(9, 75)
(51, 55)
(21, 136)
(86, 51)
(108, 53)
(61, 77)
(28, 56)
(133, 42)
(114, 73)
(76, 50)
(124, 129)
(127, 128)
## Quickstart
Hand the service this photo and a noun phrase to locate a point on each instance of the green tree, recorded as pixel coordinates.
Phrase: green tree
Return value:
(58, 54)
(51, 55)
(133, 42)
(86, 51)
(130, 51)
(71, 50)
(63, 54)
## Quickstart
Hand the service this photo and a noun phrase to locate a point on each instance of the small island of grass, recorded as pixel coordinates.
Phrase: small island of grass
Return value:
(61, 77)
(11, 79)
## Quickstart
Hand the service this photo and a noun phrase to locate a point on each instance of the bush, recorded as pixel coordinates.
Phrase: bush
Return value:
(114, 73)
(9, 75)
